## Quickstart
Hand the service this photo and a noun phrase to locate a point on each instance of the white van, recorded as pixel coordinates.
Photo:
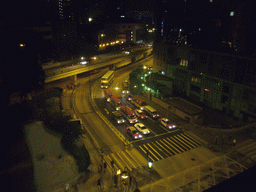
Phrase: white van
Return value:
(151, 112)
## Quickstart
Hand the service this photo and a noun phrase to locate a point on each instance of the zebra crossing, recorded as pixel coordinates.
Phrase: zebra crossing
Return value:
(154, 150)
(130, 159)
(169, 146)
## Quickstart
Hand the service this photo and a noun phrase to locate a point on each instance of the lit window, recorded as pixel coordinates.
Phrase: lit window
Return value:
(232, 13)
(211, 1)
(131, 35)
(184, 62)
(131, 39)
(131, 32)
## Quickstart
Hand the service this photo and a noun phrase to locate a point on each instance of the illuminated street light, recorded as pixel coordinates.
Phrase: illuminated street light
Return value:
(89, 19)
(22, 45)
(150, 164)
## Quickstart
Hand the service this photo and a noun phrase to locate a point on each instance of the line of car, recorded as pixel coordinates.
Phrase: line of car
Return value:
(138, 130)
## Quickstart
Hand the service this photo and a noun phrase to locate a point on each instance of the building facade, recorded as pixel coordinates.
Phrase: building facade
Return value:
(217, 80)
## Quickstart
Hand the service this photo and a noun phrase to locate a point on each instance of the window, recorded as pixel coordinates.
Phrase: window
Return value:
(184, 62)
(195, 88)
(195, 79)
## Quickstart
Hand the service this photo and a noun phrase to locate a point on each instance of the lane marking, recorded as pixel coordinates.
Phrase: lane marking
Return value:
(152, 153)
(183, 143)
(189, 138)
(182, 150)
(163, 149)
(192, 145)
(172, 146)
(156, 151)
(175, 153)
(146, 154)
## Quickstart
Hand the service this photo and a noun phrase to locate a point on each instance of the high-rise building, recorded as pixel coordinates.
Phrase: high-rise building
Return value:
(206, 48)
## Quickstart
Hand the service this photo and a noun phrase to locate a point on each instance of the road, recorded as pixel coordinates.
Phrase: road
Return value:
(176, 154)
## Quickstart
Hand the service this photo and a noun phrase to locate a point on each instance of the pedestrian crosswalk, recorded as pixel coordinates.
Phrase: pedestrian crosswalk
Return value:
(130, 159)
(169, 146)
(154, 150)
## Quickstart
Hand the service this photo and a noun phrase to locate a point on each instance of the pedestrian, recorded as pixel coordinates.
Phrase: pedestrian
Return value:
(234, 142)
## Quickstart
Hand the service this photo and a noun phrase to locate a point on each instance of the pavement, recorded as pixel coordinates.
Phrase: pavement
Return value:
(149, 179)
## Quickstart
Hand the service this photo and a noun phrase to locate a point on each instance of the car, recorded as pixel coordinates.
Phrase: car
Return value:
(129, 97)
(139, 113)
(130, 130)
(118, 117)
(142, 128)
(125, 90)
(166, 123)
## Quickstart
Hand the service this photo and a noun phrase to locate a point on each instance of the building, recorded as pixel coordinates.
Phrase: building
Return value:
(210, 63)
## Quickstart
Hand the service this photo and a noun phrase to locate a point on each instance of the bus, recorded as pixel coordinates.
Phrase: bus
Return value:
(116, 103)
(129, 114)
(138, 102)
(107, 79)
(107, 94)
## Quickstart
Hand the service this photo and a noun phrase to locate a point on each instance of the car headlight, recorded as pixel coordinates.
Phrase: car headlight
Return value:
(148, 131)
(128, 92)
(174, 126)
(135, 137)
(140, 136)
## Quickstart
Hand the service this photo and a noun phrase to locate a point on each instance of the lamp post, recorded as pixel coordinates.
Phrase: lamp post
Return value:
(127, 180)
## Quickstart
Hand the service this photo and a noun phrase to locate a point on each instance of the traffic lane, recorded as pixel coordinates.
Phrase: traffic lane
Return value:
(153, 125)
(106, 109)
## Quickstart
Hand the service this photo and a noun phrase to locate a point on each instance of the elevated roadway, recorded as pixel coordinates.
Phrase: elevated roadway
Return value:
(56, 74)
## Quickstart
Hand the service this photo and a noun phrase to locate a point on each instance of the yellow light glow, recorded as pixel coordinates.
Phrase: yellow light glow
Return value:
(22, 45)
(117, 41)
(100, 45)
(103, 45)
(118, 172)
(107, 44)
(89, 19)
(102, 35)
(82, 58)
